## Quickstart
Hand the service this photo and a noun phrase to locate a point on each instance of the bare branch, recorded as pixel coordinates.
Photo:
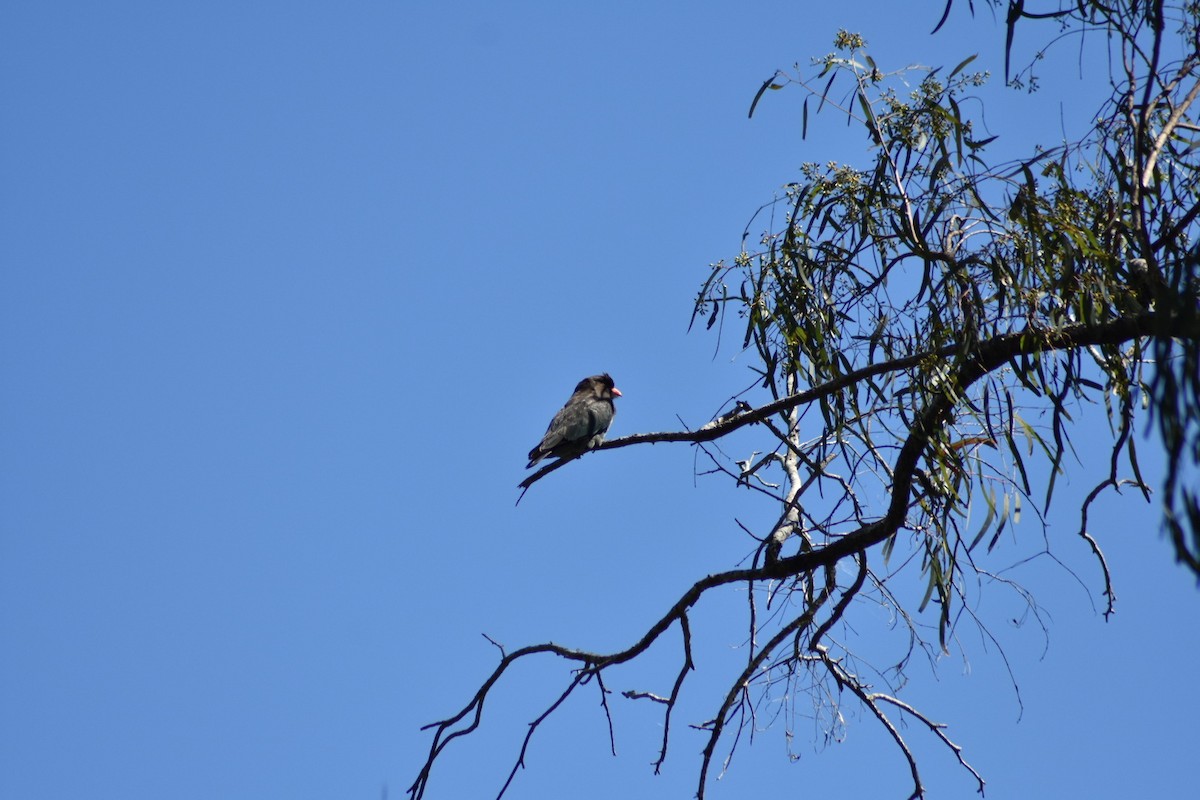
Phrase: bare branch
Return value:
(937, 728)
(580, 677)
(612, 735)
(848, 681)
(1165, 134)
(1111, 598)
(717, 725)
(688, 665)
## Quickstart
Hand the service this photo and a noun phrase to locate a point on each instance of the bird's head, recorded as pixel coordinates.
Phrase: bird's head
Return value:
(599, 385)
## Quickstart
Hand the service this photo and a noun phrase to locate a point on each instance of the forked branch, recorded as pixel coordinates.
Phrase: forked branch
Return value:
(987, 356)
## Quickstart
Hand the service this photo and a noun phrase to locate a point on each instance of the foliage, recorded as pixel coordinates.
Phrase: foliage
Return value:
(928, 253)
(927, 325)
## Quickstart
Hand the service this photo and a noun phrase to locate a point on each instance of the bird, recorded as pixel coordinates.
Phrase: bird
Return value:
(579, 425)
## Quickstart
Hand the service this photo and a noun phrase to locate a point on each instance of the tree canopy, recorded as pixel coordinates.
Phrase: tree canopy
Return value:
(928, 324)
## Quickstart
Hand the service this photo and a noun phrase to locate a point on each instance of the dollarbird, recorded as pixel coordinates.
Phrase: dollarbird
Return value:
(581, 424)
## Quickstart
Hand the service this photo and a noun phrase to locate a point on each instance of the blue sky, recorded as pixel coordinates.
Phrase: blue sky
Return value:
(289, 290)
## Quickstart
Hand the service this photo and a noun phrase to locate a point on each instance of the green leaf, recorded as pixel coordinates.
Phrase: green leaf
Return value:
(987, 520)
(1004, 520)
(869, 114)
(769, 83)
(962, 64)
(825, 92)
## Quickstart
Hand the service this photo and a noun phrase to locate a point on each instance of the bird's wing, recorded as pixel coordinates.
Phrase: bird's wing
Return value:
(573, 422)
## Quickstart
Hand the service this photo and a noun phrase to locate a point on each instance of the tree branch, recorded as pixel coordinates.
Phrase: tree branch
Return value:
(988, 355)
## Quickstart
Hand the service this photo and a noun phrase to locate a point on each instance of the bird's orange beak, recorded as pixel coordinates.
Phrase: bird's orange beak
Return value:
(616, 392)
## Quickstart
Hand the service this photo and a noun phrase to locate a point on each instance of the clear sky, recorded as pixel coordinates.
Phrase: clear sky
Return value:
(288, 291)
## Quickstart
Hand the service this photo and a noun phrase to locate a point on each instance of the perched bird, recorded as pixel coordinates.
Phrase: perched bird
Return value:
(580, 424)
